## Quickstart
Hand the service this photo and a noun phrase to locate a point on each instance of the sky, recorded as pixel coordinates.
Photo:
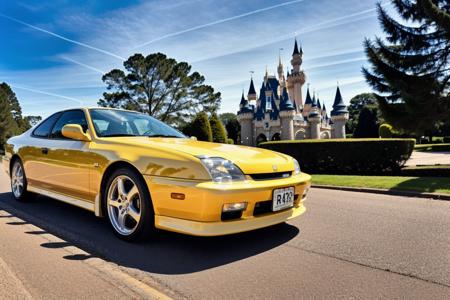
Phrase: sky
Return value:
(54, 53)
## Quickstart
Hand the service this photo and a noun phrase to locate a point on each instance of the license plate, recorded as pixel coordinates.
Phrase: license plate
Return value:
(283, 198)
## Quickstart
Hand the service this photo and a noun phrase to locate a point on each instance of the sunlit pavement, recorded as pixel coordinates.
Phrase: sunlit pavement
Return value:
(346, 245)
(429, 158)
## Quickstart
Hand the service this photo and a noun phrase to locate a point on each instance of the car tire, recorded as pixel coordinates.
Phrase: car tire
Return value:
(128, 207)
(19, 182)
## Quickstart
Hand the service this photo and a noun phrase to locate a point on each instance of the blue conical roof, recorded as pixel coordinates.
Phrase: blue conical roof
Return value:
(339, 107)
(308, 97)
(286, 103)
(251, 90)
(295, 48)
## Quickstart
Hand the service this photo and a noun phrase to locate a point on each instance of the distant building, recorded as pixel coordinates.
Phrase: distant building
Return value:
(279, 113)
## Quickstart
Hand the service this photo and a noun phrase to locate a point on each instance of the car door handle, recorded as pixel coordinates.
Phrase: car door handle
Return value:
(44, 150)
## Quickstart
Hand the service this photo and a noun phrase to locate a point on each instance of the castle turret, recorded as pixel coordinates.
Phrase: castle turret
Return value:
(287, 113)
(314, 119)
(251, 96)
(245, 119)
(308, 102)
(339, 116)
(296, 78)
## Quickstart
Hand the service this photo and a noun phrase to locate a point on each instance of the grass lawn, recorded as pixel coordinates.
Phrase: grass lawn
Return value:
(432, 147)
(416, 184)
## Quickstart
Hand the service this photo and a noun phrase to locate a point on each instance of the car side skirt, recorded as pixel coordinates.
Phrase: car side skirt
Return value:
(226, 227)
(64, 198)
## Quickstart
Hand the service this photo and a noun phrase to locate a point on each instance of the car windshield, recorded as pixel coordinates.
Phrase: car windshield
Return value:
(109, 123)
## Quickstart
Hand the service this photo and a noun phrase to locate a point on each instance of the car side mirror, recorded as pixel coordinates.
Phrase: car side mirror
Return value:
(75, 132)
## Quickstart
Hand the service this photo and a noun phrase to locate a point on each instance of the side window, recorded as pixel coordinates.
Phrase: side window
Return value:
(69, 117)
(43, 130)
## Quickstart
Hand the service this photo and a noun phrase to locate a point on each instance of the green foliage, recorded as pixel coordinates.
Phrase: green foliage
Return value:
(200, 128)
(386, 131)
(230, 141)
(347, 156)
(411, 68)
(356, 105)
(11, 120)
(231, 125)
(219, 134)
(427, 171)
(367, 126)
(161, 87)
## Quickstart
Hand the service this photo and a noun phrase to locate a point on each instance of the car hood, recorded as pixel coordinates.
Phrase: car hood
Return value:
(250, 160)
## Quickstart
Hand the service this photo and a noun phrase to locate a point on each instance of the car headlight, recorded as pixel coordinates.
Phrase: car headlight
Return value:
(296, 166)
(222, 170)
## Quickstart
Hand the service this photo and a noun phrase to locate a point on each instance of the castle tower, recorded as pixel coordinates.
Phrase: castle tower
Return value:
(339, 116)
(287, 113)
(245, 119)
(297, 78)
(314, 119)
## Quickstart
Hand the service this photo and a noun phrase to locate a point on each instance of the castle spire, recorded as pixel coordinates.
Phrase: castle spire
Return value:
(251, 90)
(339, 107)
(295, 48)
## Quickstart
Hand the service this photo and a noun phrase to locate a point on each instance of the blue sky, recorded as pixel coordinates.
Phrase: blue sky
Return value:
(54, 52)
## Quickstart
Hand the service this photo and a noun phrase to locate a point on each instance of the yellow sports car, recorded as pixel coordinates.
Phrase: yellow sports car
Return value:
(142, 174)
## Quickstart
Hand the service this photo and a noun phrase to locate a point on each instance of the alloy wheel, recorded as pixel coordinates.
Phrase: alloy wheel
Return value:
(124, 205)
(17, 180)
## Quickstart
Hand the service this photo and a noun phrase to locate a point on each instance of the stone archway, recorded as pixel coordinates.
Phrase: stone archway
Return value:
(276, 136)
(261, 138)
(300, 135)
(325, 135)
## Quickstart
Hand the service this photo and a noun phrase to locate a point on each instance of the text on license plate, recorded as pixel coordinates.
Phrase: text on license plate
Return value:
(283, 198)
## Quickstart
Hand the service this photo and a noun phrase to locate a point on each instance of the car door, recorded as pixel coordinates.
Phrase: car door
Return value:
(69, 161)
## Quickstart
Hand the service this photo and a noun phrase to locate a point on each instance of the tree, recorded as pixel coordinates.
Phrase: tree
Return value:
(200, 128)
(219, 134)
(367, 123)
(355, 106)
(411, 68)
(8, 126)
(161, 87)
(32, 120)
(231, 125)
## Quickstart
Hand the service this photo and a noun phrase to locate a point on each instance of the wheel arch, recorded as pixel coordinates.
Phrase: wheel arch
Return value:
(14, 157)
(99, 208)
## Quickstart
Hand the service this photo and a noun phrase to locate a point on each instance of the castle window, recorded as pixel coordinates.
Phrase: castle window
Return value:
(269, 103)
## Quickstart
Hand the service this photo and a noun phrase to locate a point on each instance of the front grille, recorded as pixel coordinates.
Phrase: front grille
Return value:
(262, 207)
(231, 215)
(271, 176)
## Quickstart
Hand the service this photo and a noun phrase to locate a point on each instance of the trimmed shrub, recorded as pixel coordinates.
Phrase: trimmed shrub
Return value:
(347, 156)
(199, 128)
(433, 148)
(219, 133)
(446, 139)
(426, 171)
(385, 131)
(230, 141)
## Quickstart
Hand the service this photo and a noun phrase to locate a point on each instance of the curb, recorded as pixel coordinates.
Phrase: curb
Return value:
(434, 196)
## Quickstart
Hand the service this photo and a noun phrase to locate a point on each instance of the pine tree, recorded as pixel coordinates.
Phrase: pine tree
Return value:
(200, 128)
(219, 134)
(7, 125)
(411, 68)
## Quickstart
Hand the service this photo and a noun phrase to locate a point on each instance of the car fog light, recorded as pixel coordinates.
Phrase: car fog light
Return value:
(305, 193)
(234, 206)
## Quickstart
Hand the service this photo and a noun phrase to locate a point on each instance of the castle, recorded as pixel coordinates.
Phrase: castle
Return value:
(280, 114)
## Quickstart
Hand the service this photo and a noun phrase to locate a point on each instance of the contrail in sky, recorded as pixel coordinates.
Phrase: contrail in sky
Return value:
(83, 65)
(46, 93)
(61, 37)
(218, 22)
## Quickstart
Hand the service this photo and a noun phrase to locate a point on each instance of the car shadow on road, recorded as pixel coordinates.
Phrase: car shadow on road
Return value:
(167, 253)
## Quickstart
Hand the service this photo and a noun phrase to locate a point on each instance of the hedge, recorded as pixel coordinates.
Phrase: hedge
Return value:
(433, 147)
(426, 171)
(347, 156)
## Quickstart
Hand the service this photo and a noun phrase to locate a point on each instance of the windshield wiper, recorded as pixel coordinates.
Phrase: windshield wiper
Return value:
(164, 135)
(118, 134)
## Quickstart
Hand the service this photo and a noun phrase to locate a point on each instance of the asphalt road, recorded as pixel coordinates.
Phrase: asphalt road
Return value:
(347, 245)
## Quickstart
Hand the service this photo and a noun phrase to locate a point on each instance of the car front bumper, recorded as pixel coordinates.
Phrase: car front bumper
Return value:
(200, 213)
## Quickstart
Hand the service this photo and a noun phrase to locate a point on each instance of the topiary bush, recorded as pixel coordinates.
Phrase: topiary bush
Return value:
(386, 131)
(200, 128)
(347, 156)
(230, 141)
(219, 133)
